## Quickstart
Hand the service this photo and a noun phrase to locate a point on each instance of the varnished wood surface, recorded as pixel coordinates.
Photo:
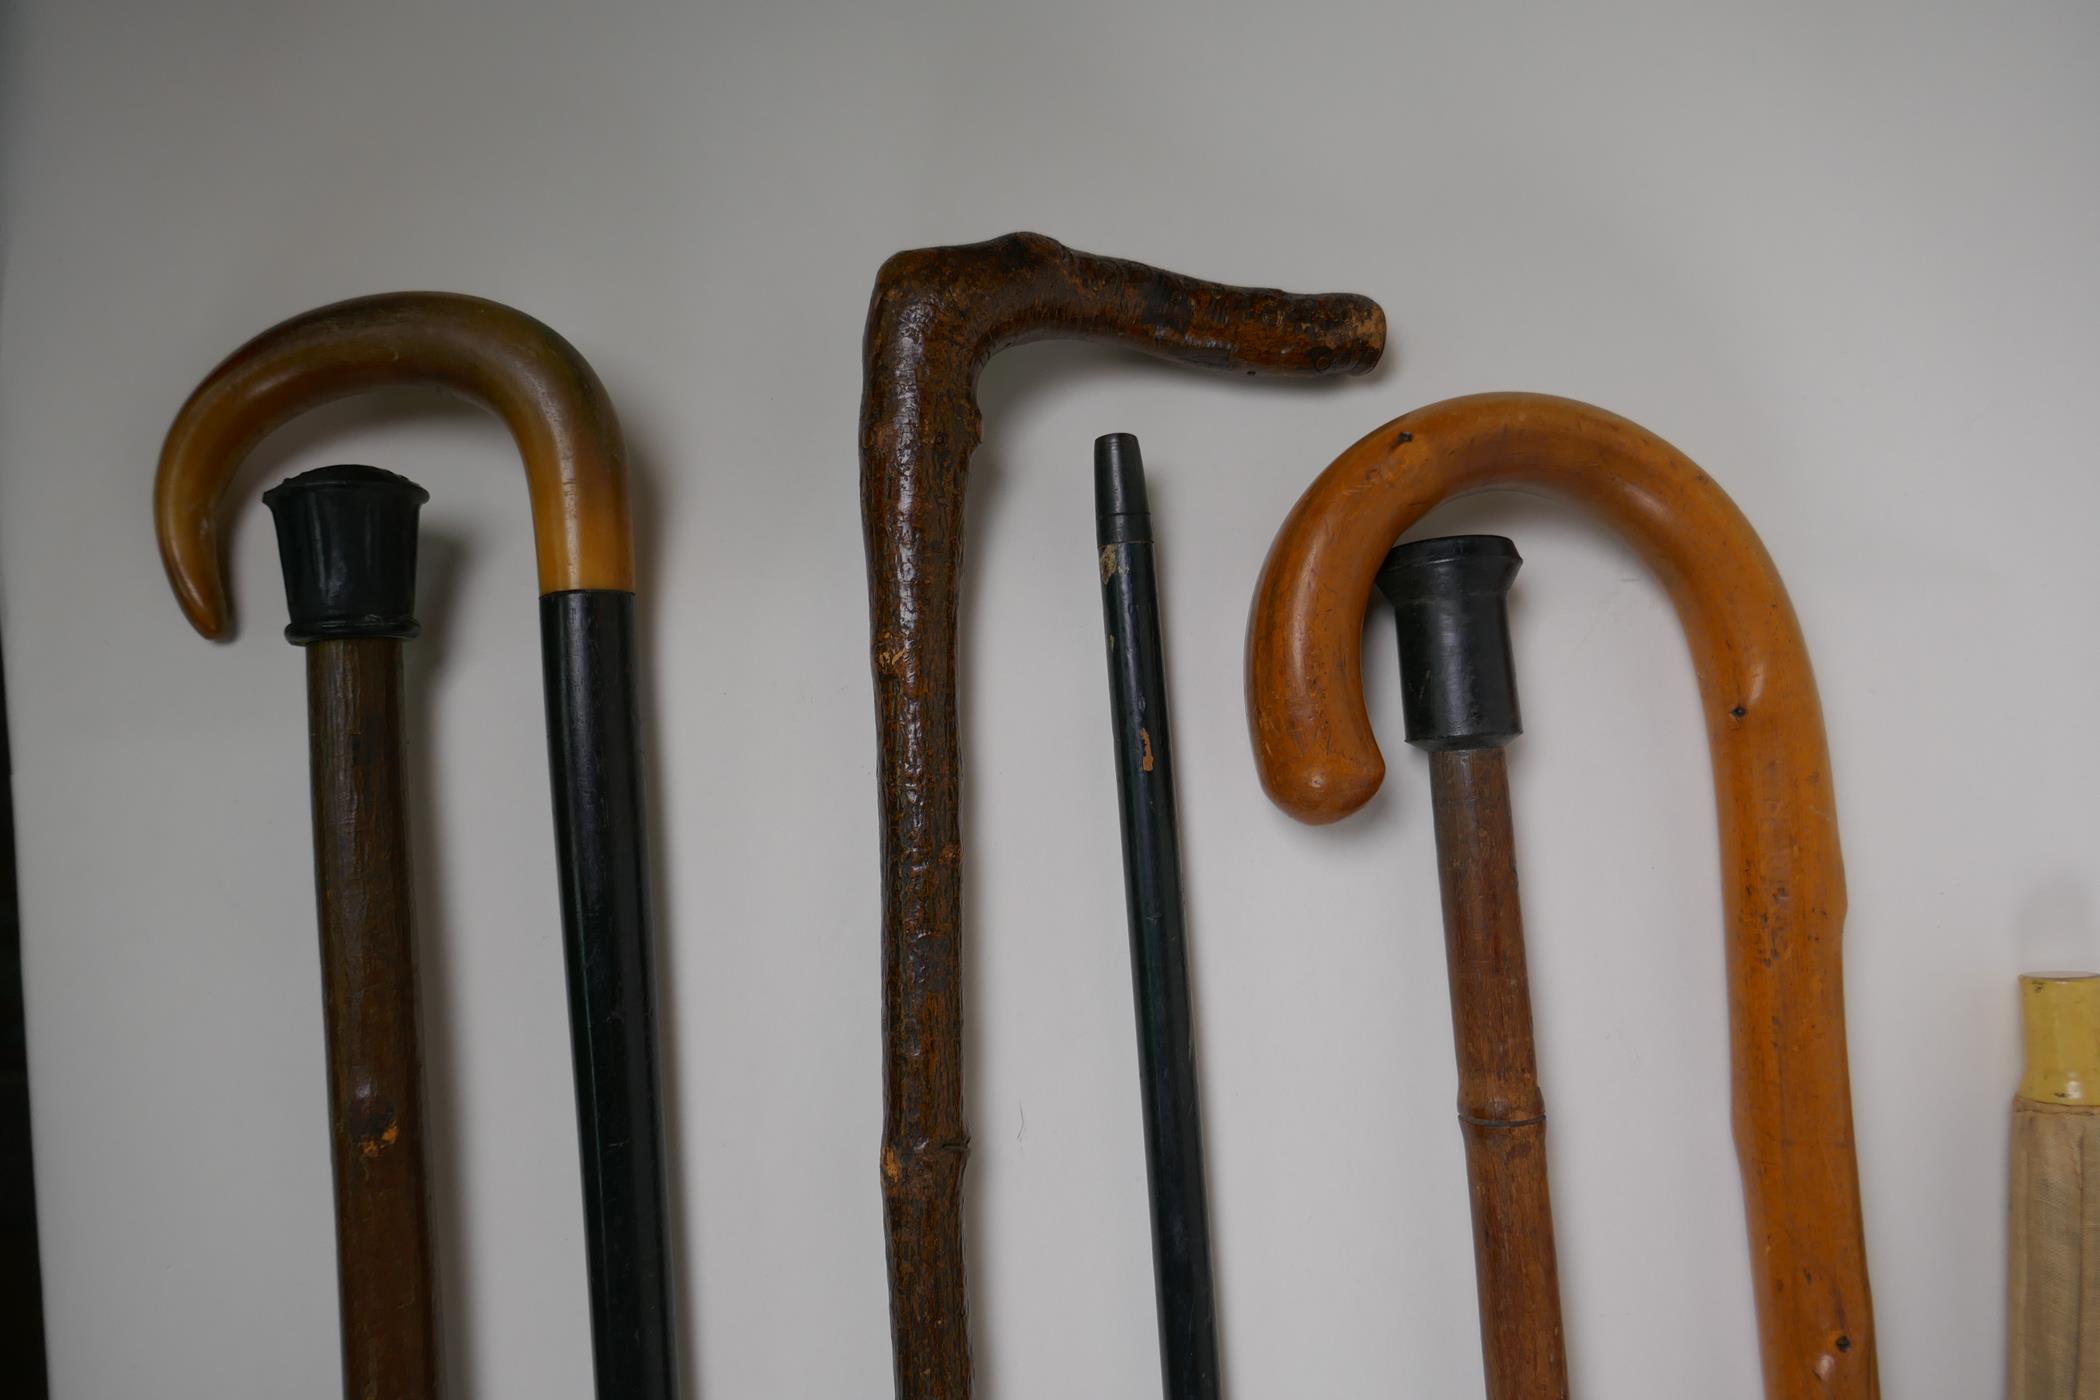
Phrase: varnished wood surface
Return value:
(1501, 1111)
(936, 316)
(2053, 1298)
(545, 392)
(2053, 1263)
(391, 1342)
(1782, 878)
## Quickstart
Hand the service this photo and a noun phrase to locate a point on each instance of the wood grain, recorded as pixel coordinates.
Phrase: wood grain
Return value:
(2053, 1312)
(2053, 1295)
(388, 1298)
(1501, 1111)
(1782, 878)
(535, 381)
(936, 316)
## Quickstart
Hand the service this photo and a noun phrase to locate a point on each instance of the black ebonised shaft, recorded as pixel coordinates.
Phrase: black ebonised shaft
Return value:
(1188, 1336)
(594, 748)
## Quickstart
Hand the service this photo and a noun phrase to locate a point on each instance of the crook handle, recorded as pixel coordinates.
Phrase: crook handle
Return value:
(520, 369)
(1783, 885)
(937, 314)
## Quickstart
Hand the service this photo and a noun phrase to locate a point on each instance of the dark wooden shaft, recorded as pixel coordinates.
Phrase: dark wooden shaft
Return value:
(391, 1342)
(1500, 1109)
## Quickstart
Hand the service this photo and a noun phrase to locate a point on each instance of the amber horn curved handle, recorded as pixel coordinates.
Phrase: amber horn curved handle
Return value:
(520, 369)
(1783, 882)
(575, 468)
(936, 316)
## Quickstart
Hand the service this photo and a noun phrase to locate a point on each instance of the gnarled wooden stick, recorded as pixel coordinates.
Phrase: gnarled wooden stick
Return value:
(1784, 885)
(937, 315)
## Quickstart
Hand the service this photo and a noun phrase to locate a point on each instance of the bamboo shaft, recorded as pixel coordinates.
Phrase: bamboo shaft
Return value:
(1783, 882)
(1500, 1108)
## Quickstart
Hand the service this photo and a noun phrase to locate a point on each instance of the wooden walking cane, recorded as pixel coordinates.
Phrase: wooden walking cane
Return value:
(347, 539)
(2053, 1313)
(576, 471)
(1783, 882)
(936, 316)
(1159, 964)
(1459, 685)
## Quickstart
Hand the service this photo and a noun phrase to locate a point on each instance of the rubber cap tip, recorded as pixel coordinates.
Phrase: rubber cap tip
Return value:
(346, 538)
(1450, 599)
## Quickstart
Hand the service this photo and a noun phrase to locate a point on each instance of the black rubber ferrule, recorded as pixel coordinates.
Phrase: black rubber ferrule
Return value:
(1122, 515)
(346, 538)
(1458, 680)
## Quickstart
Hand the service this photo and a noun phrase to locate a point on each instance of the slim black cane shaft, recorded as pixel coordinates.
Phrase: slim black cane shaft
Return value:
(1188, 1341)
(391, 1342)
(595, 751)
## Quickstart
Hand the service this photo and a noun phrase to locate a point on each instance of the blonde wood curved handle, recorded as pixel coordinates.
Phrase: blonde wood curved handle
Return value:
(1783, 881)
(535, 381)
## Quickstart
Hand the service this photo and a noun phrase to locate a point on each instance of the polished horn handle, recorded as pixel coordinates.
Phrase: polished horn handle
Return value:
(1783, 881)
(520, 369)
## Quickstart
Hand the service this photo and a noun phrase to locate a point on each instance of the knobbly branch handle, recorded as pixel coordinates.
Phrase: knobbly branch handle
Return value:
(1783, 881)
(936, 316)
(518, 368)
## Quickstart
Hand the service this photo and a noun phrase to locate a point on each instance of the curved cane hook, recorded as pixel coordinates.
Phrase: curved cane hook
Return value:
(1783, 881)
(521, 370)
(936, 316)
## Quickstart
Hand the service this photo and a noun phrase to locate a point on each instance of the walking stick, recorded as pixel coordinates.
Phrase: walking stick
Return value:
(2054, 1312)
(1458, 682)
(576, 470)
(1783, 881)
(936, 316)
(1159, 968)
(347, 539)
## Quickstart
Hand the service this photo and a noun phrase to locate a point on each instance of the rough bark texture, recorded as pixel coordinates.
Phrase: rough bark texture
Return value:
(1500, 1109)
(391, 1342)
(937, 315)
(1783, 883)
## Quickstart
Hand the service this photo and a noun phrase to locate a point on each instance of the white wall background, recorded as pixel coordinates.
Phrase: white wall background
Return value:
(1843, 255)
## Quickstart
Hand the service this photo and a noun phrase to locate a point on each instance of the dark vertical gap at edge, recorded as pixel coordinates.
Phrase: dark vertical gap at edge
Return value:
(22, 1357)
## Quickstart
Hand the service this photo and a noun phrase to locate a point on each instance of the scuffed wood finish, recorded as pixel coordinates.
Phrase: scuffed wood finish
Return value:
(520, 369)
(936, 316)
(1783, 882)
(1500, 1109)
(388, 1299)
(2053, 1306)
(2053, 1299)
